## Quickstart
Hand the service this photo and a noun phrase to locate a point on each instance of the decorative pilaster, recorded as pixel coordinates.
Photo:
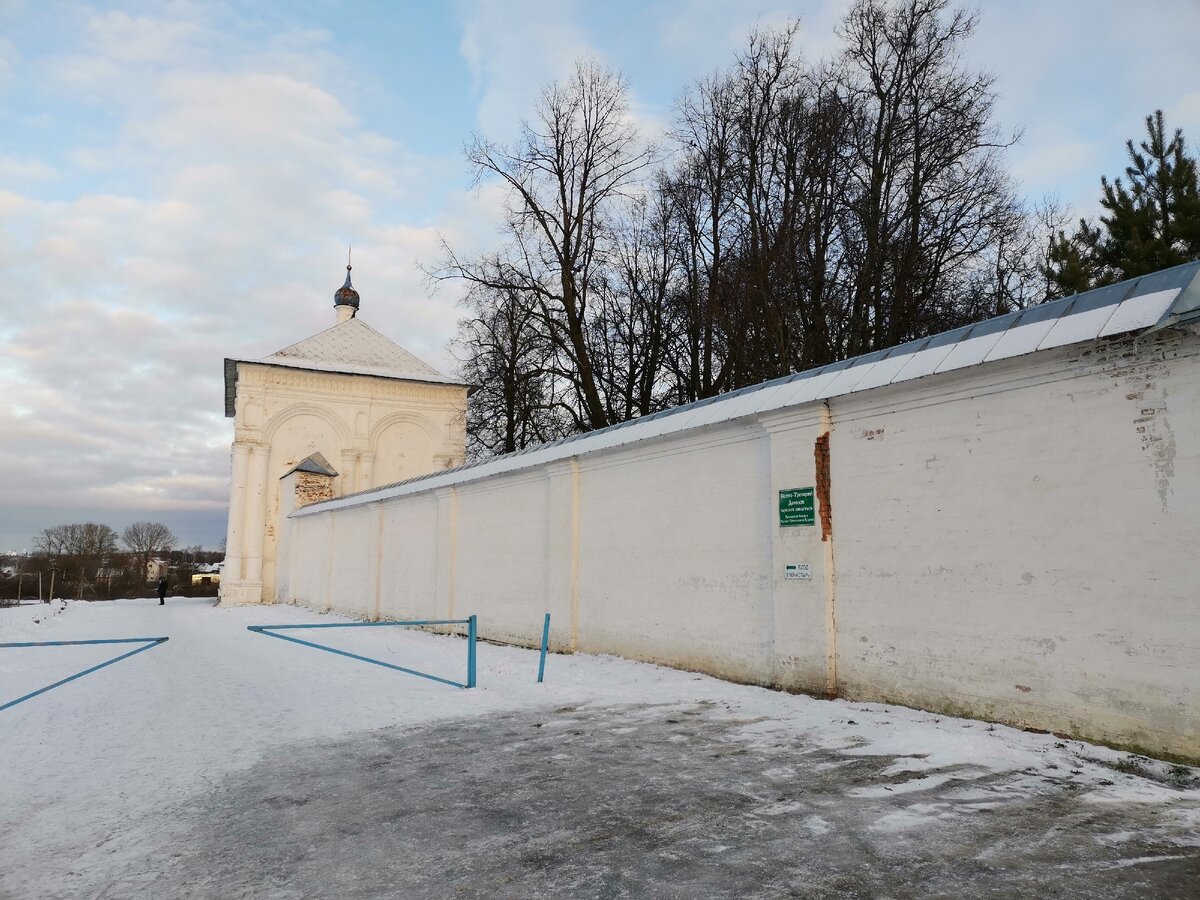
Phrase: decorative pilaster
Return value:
(366, 471)
(236, 527)
(447, 549)
(562, 552)
(257, 495)
(803, 628)
(349, 471)
(250, 464)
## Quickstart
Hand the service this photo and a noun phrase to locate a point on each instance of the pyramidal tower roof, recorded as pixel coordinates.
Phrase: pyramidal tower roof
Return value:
(354, 347)
(351, 347)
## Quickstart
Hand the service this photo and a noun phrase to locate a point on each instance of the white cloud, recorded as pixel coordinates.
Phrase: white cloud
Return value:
(123, 39)
(1184, 112)
(9, 59)
(710, 32)
(230, 191)
(513, 48)
(1056, 158)
(14, 168)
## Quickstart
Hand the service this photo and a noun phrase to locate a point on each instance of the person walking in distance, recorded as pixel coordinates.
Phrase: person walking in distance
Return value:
(162, 590)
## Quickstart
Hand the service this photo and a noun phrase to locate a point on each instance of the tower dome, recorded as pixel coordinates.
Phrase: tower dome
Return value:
(345, 299)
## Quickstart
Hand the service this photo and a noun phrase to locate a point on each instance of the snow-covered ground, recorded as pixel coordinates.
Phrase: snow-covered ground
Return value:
(111, 783)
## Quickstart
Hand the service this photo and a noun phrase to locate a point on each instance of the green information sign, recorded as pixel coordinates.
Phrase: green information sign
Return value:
(797, 507)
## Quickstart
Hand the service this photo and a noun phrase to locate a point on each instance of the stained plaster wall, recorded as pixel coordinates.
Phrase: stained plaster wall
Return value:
(1014, 541)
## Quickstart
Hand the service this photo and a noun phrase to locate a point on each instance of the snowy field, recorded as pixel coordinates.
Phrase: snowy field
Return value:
(228, 764)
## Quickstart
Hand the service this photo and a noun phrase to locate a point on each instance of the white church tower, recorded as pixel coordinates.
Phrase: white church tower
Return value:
(373, 412)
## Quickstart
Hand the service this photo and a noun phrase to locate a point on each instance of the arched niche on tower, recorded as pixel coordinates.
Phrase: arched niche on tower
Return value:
(404, 446)
(301, 430)
(294, 434)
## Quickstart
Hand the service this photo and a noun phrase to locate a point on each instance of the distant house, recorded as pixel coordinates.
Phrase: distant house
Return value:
(156, 569)
(207, 573)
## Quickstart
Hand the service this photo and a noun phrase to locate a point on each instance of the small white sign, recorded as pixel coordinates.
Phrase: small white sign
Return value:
(797, 572)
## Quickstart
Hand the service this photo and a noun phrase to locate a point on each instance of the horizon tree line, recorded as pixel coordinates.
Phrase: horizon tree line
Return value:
(92, 559)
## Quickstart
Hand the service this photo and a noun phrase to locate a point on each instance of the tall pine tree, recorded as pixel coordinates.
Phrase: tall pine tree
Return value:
(1151, 222)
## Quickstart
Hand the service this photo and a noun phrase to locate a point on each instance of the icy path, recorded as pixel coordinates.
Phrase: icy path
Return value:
(224, 763)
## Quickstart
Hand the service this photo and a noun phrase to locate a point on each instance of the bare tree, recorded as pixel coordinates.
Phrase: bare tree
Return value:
(80, 548)
(703, 191)
(629, 334)
(579, 157)
(759, 197)
(505, 355)
(1020, 262)
(146, 540)
(808, 213)
(929, 193)
(51, 542)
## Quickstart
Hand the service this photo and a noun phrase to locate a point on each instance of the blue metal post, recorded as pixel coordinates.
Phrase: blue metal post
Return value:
(471, 622)
(545, 643)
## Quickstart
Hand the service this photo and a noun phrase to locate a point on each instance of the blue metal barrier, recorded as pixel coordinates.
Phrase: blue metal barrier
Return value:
(470, 622)
(545, 644)
(471, 636)
(148, 641)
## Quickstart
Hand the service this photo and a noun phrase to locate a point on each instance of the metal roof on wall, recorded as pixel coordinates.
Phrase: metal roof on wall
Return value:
(1161, 299)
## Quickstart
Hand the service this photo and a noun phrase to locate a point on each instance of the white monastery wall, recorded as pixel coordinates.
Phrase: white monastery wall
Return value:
(409, 550)
(1015, 541)
(498, 565)
(1020, 544)
(675, 553)
(351, 570)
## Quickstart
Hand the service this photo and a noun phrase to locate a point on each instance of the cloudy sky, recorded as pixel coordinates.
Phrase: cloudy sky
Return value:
(179, 181)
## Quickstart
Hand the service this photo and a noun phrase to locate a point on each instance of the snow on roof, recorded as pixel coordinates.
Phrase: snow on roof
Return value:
(355, 343)
(1161, 299)
(350, 348)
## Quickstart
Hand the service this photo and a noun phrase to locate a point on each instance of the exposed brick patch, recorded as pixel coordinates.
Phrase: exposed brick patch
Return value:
(821, 454)
(312, 488)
